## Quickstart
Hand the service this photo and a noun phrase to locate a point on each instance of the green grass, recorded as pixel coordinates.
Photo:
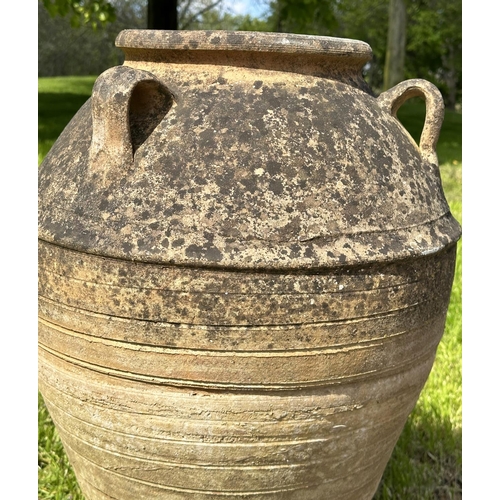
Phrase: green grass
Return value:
(427, 460)
(58, 101)
(56, 479)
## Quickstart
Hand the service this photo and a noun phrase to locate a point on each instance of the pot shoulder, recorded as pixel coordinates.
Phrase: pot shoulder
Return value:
(251, 169)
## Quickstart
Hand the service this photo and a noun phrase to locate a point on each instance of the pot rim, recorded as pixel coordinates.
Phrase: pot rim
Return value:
(243, 41)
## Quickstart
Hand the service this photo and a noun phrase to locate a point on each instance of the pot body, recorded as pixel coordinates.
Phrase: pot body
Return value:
(243, 286)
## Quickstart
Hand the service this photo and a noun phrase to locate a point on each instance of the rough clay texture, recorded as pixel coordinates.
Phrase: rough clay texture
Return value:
(249, 168)
(245, 265)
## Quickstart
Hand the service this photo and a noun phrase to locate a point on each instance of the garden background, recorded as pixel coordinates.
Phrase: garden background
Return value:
(427, 461)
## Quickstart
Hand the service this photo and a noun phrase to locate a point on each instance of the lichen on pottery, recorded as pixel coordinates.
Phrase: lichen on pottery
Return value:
(245, 266)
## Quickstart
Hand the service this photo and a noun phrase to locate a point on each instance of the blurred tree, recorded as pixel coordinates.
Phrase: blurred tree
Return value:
(366, 20)
(193, 12)
(216, 19)
(433, 32)
(67, 50)
(312, 17)
(434, 45)
(423, 40)
(161, 14)
(96, 13)
(394, 69)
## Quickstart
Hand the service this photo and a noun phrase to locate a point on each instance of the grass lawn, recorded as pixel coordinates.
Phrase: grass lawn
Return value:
(427, 460)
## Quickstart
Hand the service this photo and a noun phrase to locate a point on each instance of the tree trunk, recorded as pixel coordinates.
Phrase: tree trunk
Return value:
(162, 15)
(450, 78)
(396, 44)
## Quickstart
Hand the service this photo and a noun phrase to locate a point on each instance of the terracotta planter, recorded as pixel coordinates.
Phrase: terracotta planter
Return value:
(245, 267)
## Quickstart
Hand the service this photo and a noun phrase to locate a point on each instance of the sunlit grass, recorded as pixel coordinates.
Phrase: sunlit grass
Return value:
(56, 479)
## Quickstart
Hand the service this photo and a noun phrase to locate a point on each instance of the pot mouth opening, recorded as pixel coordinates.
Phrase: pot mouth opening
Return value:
(244, 41)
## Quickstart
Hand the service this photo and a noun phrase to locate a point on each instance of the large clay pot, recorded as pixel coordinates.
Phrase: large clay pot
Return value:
(245, 267)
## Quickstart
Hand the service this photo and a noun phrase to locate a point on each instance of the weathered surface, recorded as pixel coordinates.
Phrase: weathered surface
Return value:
(245, 265)
(248, 169)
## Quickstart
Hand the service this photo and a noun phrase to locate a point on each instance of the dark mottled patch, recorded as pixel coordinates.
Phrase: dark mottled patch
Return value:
(245, 137)
(273, 98)
(309, 252)
(295, 250)
(177, 243)
(234, 38)
(194, 251)
(261, 126)
(206, 138)
(250, 185)
(213, 254)
(273, 167)
(275, 186)
(200, 181)
(127, 247)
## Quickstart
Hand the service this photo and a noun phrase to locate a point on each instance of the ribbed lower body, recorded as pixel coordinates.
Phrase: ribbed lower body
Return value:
(175, 383)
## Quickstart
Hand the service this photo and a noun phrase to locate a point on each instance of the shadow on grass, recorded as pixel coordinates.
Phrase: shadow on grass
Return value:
(426, 463)
(55, 110)
(449, 147)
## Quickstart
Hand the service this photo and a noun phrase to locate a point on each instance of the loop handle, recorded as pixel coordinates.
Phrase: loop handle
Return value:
(392, 99)
(127, 105)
